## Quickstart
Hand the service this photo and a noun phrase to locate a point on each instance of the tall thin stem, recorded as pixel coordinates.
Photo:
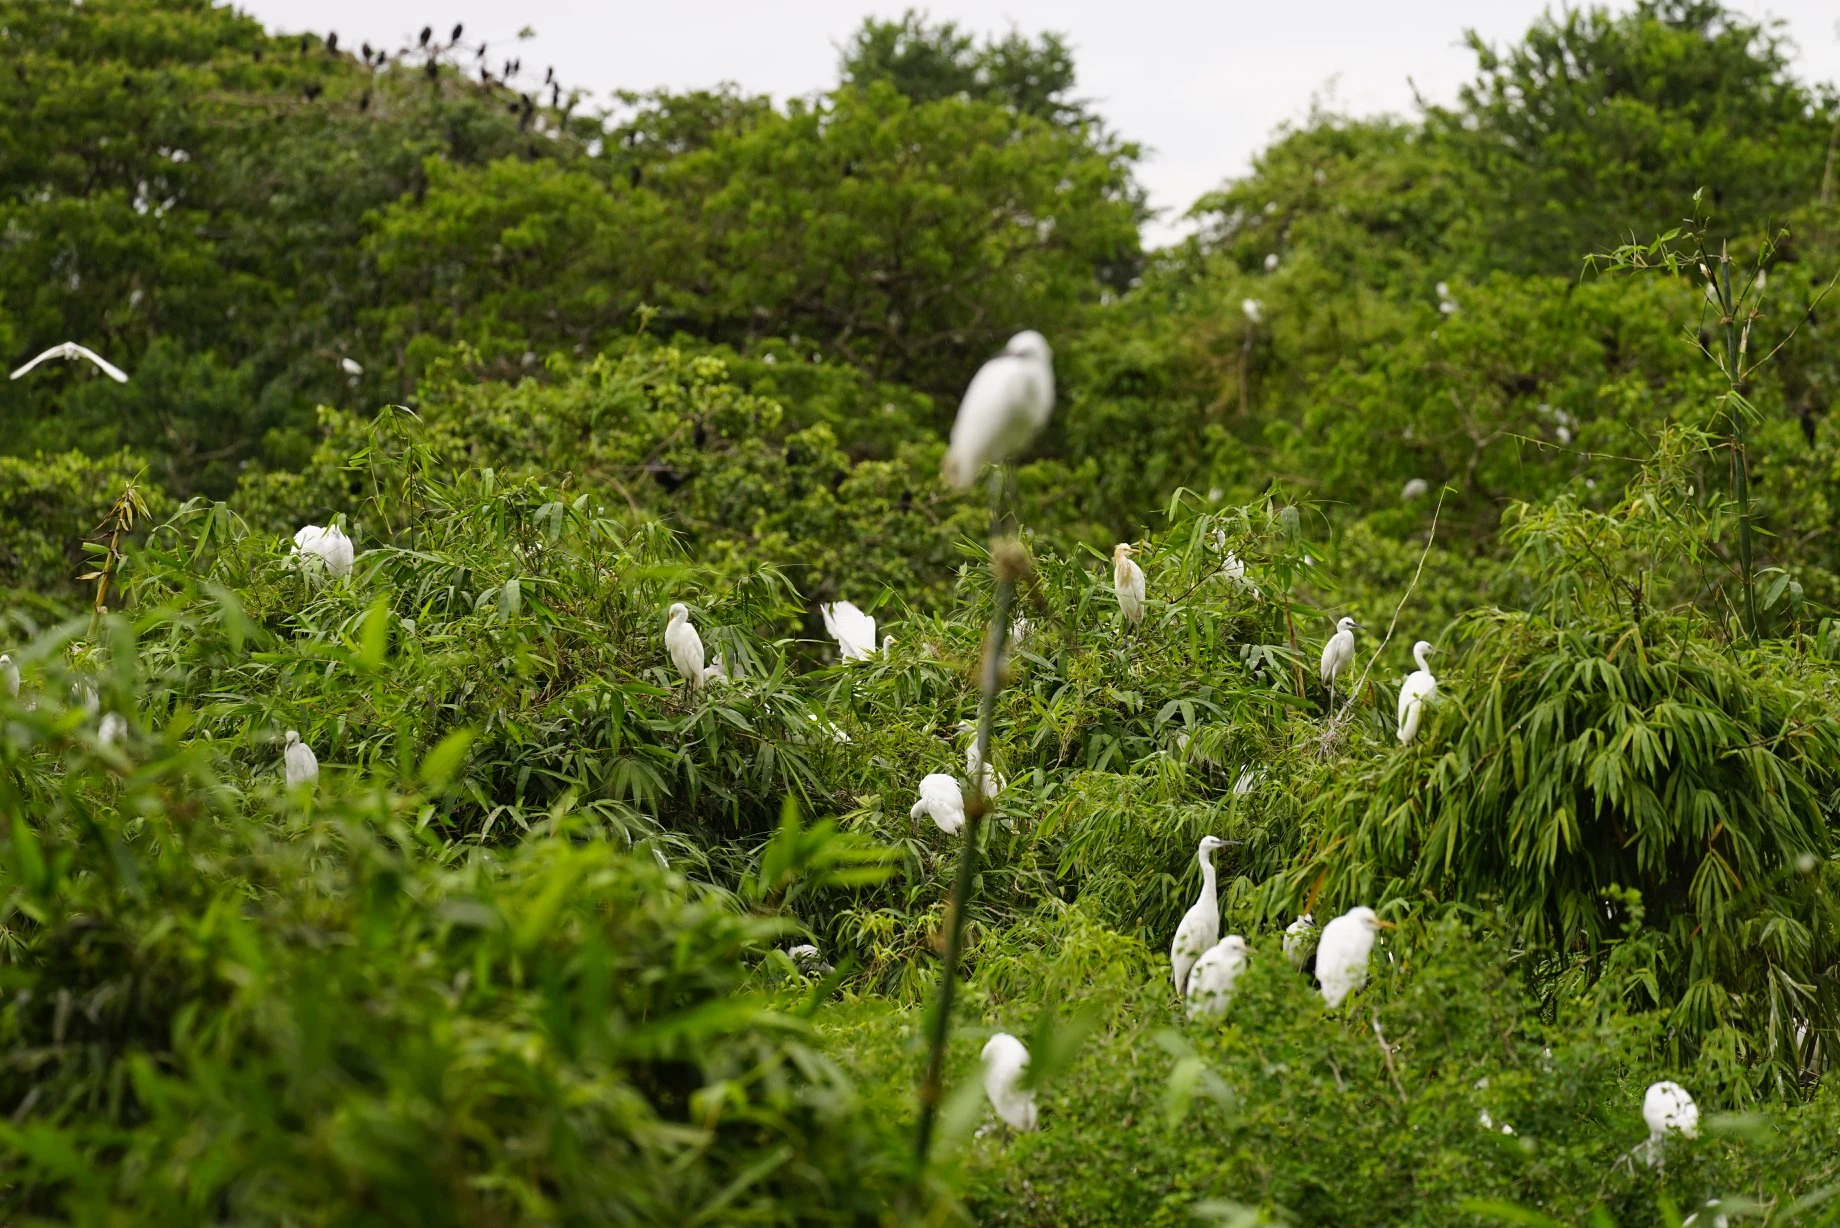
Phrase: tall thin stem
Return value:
(1741, 483)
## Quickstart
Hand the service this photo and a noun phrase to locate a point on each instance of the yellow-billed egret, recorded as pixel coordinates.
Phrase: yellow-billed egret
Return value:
(1128, 582)
(942, 801)
(1200, 928)
(1210, 982)
(1338, 653)
(114, 728)
(71, 351)
(1415, 488)
(1342, 952)
(1006, 1060)
(1007, 402)
(853, 630)
(1300, 941)
(684, 645)
(1668, 1109)
(327, 547)
(299, 763)
(1419, 689)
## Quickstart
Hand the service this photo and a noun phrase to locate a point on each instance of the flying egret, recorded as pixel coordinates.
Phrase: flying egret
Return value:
(299, 762)
(1337, 654)
(1128, 582)
(1341, 953)
(1008, 401)
(1415, 488)
(1300, 941)
(1006, 1060)
(943, 801)
(684, 645)
(1210, 983)
(1200, 928)
(328, 545)
(988, 780)
(72, 351)
(113, 729)
(1668, 1109)
(808, 959)
(853, 630)
(1420, 688)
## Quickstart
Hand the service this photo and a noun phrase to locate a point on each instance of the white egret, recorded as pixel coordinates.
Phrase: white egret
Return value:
(1248, 780)
(1271, 262)
(1210, 982)
(684, 645)
(1415, 488)
(1342, 952)
(808, 959)
(989, 781)
(1668, 1109)
(1300, 941)
(328, 546)
(350, 366)
(715, 671)
(853, 630)
(1128, 582)
(72, 351)
(9, 675)
(1006, 1060)
(1338, 653)
(1255, 310)
(299, 762)
(887, 645)
(114, 728)
(1200, 928)
(1007, 402)
(1420, 688)
(943, 801)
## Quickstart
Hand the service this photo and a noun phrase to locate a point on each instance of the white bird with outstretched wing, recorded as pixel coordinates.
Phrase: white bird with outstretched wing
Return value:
(72, 351)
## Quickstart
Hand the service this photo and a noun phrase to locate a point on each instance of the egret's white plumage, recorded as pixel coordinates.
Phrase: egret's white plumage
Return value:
(853, 630)
(1200, 928)
(808, 959)
(715, 671)
(1419, 689)
(1668, 1108)
(9, 675)
(326, 547)
(1254, 309)
(988, 780)
(942, 801)
(1415, 488)
(1007, 402)
(1339, 651)
(350, 366)
(72, 351)
(114, 728)
(1300, 940)
(1210, 982)
(1128, 582)
(684, 645)
(1342, 952)
(1006, 1060)
(299, 763)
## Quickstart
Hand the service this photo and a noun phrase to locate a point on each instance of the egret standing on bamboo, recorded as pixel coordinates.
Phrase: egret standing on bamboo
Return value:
(1009, 400)
(1668, 1108)
(684, 645)
(1200, 928)
(1337, 654)
(1420, 689)
(1006, 1060)
(1342, 953)
(1128, 583)
(943, 801)
(1210, 983)
(853, 630)
(298, 762)
(326, 547)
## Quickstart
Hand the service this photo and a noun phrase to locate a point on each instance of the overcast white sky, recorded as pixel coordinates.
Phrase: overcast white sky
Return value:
(1202, 84)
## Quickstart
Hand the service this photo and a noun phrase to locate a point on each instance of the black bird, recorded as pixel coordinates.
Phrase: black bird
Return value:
(427, 33)
(485, 75)
(332, 43)
(431, 68)
(364, 103)
(555, 94)
(665, 476)
(368, 53)
(482, 52)
(549, 74)
(458, 27)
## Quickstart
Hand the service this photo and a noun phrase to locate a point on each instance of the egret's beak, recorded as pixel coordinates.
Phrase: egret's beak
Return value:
(1386, 925)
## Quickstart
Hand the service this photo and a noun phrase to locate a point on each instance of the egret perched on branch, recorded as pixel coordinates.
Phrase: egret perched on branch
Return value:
(1338, 653)
(1668, 1109)
(328, 547)
(684, 645)
(1300, 941)
(298, 761)
(943, 801)
(1006, 1060)
(1341, 954)
(72, 351)
(853, 630)
(1010, 398)
(1128, 582)
(988, 781)
(809, 960)
(9, 675)
(1420, 688)
(1210, 983)
(1200, 928)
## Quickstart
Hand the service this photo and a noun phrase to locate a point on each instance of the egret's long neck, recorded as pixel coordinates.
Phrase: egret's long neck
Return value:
(1418, 654)
(1207, 874)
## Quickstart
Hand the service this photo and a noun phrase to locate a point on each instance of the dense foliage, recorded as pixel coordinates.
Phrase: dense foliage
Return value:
(520, 952)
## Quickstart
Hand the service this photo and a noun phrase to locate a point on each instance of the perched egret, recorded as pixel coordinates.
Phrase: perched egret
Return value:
(1341, 953)
(853, 630)
(808, 959)
(1668, 1109)
(299, 761)
(1338, 653)
(1420, 688)
(1271, 262)
(328, 547)
(1200, 928)
(715, 671)
(684, 645)
(985, 777)
(9, 675)
(1009, 400)
(350, 367)
(72, 351)
(1248, 780)
(1006, 1060)
(943, 801)
(114, 728)
(1128, 582)
(887, 645)
(1415, 488)
(1210, 983)
(1255, 310)
(1300, 941)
